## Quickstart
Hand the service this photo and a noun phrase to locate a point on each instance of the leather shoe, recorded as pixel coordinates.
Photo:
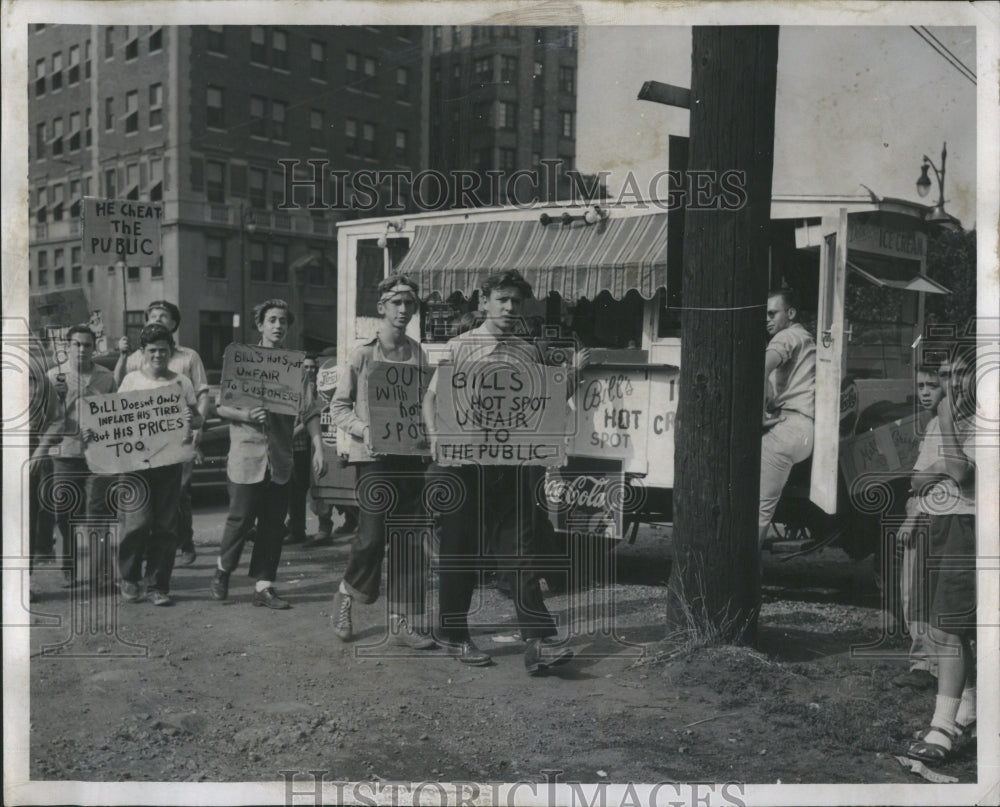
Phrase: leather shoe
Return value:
(269, 599)
(538, 659)
(220, 585)
(188, 557)
(320, 539)
(468, 653)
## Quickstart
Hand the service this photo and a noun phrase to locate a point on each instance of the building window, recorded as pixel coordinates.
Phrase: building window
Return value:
(483, 68)
(87, 137)
(132, 112)
(351, 66)
(258, 262)
(40, 141)
(508, 69)
(370, 67)
(109, 183)
(215, 257)
(258, 187)
(156, 270)
(135, 320)
(155, 105)
(132, 181)
(506, 115)
(58, 270)
(215, 181)
(215, 38)
(279, 122)
(131, 43)
(258, 122)
(402, 84)
(57, 135)
(351, 136)
(57, 199)
(317, 131)
(368, 136)
(40, 77)
(537, 70)
(109, 42)
(74, 131)
(317, 60)
(567, 77)
(156, 39)
(401, 141)
(74, 65)
(155, 181)
(536, 159)
(56, 71)
(279, 263)
(90, 276)
(75, 269)
(76, 200)
(536, 120)
(43, 268)
(258, 45)
(86, 59)
(508, 158)
(317, 268)
(215, 116)
(109, 114)
(567, 124)
(279, 50)
(570, 37)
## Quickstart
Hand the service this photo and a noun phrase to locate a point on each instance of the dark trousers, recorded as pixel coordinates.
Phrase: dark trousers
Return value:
(494, 515)
(298, 489)
(85, 495)
(149, 529)
(390, 488)
(265, 504)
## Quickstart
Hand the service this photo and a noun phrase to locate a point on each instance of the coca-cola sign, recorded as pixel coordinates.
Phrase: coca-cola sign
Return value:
(585, 503)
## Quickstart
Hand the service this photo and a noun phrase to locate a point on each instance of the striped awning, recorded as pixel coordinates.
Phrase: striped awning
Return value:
(576, 259)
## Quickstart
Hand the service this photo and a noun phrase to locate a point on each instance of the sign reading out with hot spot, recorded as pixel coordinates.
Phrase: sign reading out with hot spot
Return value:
(133, 431)
(262, 376)
(500, 413)
(395, 423)
(121, 229)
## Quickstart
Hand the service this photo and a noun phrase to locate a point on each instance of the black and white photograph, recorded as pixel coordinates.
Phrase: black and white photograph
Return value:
(530, 403)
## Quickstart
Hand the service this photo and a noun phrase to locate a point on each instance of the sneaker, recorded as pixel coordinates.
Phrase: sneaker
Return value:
(342, 626)
(188, 557)
(220, 585)
(131, 592)
(157, 597)
(401, 633)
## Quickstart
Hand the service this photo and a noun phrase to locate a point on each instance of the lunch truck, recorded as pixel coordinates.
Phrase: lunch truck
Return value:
(607, 277)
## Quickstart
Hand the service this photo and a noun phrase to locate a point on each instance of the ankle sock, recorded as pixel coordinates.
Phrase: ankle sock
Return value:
(945, 709)
(967, 708)
(262, 585)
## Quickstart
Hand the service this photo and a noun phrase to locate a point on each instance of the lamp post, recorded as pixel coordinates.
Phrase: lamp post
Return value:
(248, 224)
(924, 184)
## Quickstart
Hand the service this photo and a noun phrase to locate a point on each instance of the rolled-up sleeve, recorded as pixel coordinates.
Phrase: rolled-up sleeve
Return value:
(342, 405)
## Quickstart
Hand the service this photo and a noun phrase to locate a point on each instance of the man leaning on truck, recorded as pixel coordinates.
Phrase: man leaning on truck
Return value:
(789, 401)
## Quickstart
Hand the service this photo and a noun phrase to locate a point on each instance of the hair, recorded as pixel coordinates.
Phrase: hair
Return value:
(395, 280)
(310, 355)
(169, 307)
(156, 333)
(81, 329)
(790, 297)
(928, 369)
(508, 279)
(260, 310)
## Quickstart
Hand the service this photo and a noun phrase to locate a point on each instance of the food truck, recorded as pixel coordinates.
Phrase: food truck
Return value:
(608, 277)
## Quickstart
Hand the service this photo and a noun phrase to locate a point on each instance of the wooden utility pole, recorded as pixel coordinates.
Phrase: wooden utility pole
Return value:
(715, 577)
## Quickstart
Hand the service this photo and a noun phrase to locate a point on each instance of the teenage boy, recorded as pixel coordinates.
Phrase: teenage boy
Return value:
(72, 382)
(259, 469)
(497, 502)
(397, 303)
(186, 362)
(150, 532)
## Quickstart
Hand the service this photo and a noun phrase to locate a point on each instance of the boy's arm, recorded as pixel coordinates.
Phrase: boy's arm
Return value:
(254, 417)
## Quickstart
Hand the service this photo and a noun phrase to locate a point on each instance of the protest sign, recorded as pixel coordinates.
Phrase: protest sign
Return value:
(892, 448)
(395, 423)
(121, 229)
(262, 376)
(136, 430)
(497, 413)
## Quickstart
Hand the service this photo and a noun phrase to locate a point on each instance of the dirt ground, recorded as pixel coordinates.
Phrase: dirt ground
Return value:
(205, 691)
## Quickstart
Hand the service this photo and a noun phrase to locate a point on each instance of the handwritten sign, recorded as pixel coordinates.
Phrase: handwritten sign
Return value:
(121, 229)
(136, 430)
(891, 448)
(394, 395)
(498, 413)
(262, 376)
(615, 416)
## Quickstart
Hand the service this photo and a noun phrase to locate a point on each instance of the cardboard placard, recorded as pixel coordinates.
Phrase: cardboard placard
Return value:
(891, 448)
(396, 426)
(615, 415)
(262, 376)
(136, 430)
(121, 229)
(496, 413)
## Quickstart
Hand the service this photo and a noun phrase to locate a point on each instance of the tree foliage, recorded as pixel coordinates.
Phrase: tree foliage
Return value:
(951, 261)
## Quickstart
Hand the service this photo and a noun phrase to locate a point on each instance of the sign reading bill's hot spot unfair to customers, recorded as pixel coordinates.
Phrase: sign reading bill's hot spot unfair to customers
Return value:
(121, 229)
(262, 376)
(501, 414)
(133, 431)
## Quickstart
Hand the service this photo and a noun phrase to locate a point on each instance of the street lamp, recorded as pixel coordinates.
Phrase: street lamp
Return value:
(924, 184)
(248, 225)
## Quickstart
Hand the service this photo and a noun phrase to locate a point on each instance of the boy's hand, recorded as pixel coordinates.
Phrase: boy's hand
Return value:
(258, 415)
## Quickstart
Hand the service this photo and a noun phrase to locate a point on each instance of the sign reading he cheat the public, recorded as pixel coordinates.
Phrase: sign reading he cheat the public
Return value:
(262, 376)
(394, 395)
(121, 229)
(501, 414)
(137, 430)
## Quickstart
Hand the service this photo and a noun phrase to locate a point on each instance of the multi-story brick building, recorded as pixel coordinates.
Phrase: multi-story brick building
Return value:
(197, 117)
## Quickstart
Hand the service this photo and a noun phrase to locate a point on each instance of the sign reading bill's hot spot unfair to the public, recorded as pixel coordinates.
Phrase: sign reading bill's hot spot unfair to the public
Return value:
(133, 431)
(394, 395)
(121, 230)
(501, 414)
(262, 376)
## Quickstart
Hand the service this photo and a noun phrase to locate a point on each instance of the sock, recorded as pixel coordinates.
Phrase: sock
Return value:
(967, 707)
(343, 588)
(945, 709)
(262, 585)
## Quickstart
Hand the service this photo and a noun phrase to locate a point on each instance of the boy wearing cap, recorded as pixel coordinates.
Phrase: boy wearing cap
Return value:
(186, 362)
(397, 303)
(259, 469)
